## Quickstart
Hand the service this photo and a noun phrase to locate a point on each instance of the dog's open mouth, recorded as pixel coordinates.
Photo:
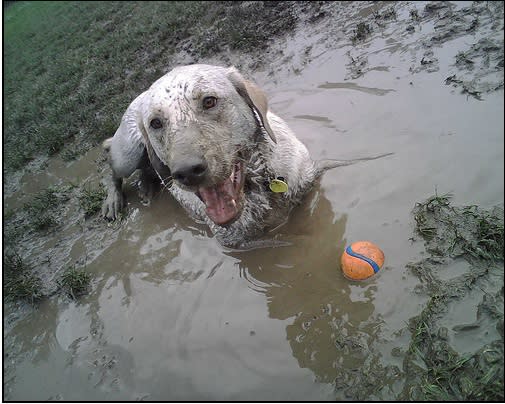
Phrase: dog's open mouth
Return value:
(222, 201)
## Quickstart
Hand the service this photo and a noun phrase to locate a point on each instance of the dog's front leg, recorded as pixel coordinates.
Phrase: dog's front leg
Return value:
(115, 200)
(125, 153)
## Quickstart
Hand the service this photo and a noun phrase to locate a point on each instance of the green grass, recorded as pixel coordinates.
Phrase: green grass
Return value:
(42, 208)
(75, 282)
(414, 15)
(19, 283)
(465, 230)
(361, 32)
(388, 14)
(90, 199)
(447, 375)
(71, 68)
(436, 372)
(489, 237)
(39, 214)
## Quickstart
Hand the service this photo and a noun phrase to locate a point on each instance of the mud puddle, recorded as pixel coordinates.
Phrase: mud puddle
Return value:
(55, 172)
(172, 315)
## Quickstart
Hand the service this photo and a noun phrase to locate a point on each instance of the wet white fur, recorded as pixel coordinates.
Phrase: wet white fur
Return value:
(216, 134)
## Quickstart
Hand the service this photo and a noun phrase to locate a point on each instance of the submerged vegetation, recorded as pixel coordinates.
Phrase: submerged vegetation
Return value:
(439, 373)
(42, 210)
(467, 231)
(38, 215)
(35, 218)
(362, 31)
(435, 371)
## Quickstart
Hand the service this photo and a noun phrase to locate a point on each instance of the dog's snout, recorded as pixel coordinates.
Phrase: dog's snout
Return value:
(190, 172)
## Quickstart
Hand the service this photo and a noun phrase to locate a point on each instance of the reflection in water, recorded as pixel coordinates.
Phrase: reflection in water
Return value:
(332, 318)
(38, 347)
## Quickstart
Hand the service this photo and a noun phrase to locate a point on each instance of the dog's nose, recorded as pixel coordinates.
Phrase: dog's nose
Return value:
(190, 172)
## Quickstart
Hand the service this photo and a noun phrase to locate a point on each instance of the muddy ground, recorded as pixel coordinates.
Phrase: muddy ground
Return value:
(438, 337)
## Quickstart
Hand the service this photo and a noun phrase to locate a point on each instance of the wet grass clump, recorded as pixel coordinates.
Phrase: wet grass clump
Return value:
(75, 282)
(438, 373)
(72, 152)
(489, 241)
(435, 371)
(41, 210)
(458, 231)
(19, 283)
(39, 215)
(389, 14)
(414, 15)
(423, 226)
(90, 199)
(361, 32)
(462, 59)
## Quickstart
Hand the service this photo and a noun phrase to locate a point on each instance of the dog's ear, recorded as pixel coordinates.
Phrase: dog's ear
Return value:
(254, 97)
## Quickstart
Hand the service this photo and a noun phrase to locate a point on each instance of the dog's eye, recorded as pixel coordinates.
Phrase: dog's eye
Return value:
(209, 102)
(156, 123)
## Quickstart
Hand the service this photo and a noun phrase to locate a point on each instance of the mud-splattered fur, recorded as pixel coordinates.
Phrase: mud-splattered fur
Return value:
(242, 127)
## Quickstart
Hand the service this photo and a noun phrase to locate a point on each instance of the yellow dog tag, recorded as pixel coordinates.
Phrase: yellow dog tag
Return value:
(278, 186)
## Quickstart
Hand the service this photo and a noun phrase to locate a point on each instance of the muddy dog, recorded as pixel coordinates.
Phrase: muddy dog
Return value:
(212, 141)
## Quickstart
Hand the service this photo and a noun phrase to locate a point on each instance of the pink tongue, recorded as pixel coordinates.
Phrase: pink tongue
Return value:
(220, 202)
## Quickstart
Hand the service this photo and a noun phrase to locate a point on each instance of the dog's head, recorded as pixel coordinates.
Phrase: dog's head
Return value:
(204, 123)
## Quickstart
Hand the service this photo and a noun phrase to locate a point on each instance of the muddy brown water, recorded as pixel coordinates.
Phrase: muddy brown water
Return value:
(172, 315)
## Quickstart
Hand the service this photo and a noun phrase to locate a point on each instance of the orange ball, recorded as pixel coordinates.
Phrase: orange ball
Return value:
(361, 260)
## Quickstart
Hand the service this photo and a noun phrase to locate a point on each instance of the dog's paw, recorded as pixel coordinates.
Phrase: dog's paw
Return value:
(113, 205)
